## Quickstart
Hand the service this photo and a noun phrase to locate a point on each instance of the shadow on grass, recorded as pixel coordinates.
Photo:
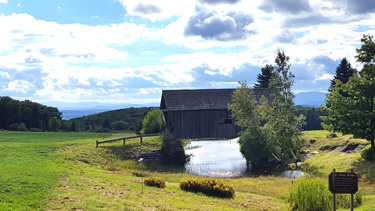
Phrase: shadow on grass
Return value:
(366, 171)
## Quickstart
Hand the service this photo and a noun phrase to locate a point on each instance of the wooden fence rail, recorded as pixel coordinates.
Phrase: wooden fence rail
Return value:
(123, 139)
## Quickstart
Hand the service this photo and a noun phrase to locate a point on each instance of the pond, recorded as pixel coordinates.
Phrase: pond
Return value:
(222, 158)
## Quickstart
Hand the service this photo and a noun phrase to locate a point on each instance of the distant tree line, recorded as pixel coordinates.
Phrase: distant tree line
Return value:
(27, 115)
(24, 115)
(128, 119)
(312, 115)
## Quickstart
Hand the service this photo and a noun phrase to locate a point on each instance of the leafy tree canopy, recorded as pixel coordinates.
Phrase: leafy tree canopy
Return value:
(354, 113)
(153, 122)
(268, 130)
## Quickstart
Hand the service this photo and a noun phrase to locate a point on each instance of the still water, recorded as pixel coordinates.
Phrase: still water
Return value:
(222, 158)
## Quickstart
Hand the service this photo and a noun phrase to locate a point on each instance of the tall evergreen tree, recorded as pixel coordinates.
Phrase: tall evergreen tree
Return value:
(264, 78)
(343, 72)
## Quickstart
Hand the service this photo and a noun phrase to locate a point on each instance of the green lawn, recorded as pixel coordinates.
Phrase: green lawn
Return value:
(64, 171)
(30, 168)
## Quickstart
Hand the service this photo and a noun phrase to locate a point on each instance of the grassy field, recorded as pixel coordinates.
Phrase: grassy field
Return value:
(64, 171)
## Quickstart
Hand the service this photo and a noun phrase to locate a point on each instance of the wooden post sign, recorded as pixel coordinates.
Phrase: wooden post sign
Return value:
(343, 182)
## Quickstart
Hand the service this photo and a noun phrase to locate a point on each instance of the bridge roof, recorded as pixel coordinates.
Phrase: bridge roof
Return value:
(201, 99)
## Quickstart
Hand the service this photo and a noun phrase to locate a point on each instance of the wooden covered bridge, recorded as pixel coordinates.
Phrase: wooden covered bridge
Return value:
(201, 113)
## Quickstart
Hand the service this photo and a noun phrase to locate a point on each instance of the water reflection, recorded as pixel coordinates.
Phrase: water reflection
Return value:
(222, 158)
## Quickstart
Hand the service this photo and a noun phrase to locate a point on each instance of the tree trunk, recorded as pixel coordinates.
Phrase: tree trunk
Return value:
(372, 144)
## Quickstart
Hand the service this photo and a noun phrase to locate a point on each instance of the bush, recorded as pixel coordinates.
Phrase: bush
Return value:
(172, 150)
(310, 194)
(22, 127)
(343, 200)
(153, 181)
(332, 135)
(367, 153)
(34, 129)
(208, 187)
(13, 126)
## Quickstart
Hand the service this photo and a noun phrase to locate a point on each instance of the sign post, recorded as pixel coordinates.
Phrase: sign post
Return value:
(344, 183)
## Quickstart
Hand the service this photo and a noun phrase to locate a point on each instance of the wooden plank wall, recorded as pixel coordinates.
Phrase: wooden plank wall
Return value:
(200, 124)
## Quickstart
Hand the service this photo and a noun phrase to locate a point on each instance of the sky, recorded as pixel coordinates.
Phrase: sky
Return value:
(128, 51)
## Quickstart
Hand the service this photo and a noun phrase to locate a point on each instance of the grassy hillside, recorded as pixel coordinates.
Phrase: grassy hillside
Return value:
(64, 171)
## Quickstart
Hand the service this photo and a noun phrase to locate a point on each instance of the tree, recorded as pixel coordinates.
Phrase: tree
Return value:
(354, 113)
(54, 124)
(73, 126)
(264, 78)
(286, 127)
(268, 130)
(253, 139)
(153, 122)
(120, 125)
(343, 72)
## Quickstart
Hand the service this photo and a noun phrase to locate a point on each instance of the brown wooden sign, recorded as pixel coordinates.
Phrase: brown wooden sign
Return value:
(343, 182)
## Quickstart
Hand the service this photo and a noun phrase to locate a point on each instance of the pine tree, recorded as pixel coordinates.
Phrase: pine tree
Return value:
(343, 72)
(264, 78)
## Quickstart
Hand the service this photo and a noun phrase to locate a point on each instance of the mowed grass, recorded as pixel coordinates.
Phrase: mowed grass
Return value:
(64, 171)
(30, 168)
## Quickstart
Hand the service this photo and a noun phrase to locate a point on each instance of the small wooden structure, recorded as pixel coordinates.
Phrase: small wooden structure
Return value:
(123, 139)
(201, 113)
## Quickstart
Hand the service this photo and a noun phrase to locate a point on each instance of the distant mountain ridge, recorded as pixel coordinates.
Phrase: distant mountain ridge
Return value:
(75, 110)
(311, 99)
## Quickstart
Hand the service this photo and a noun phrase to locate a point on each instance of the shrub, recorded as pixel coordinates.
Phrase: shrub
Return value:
(13, 126)
(332, 135)
(34, 129)
(172, 150)
(367, 153)
(343, 200)
(153, 181)
(208, 187)
(310, 194)
(22, 127)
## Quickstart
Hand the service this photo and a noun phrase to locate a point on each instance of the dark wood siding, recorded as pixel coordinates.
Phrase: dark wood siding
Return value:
(201, 113)
(201, 124)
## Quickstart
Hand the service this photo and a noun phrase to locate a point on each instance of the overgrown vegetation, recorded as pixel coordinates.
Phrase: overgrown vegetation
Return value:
(171, 154)
(310, 194)
(209, 187)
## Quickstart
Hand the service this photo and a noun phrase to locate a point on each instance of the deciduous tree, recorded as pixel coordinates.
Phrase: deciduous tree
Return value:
(268, 130)
(153, 122)
(354, 113)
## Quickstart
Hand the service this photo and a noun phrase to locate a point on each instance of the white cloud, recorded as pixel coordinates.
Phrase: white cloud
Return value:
(4, 75)
(18, 86)
(159, 10)
(324, 77)
(4, 1)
